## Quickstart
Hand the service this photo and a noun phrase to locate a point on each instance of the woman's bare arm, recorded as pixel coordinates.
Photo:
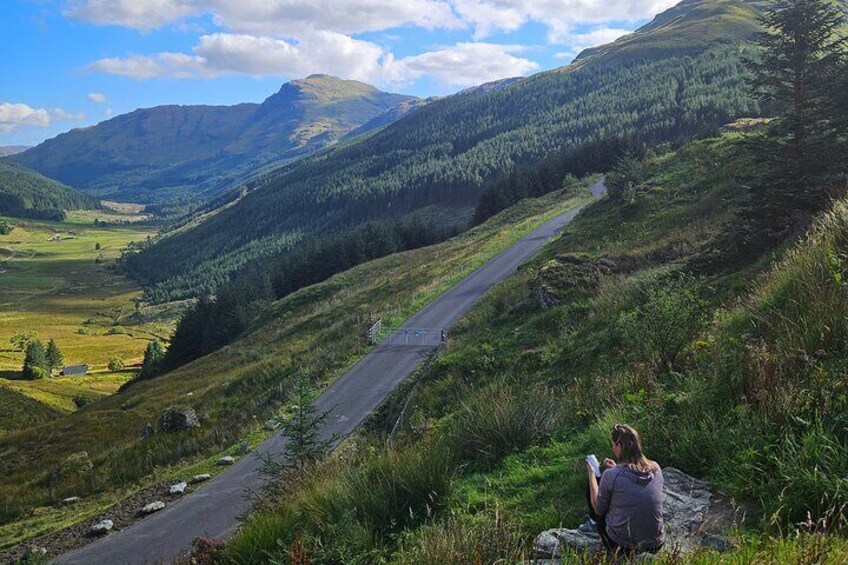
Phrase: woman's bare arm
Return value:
(593, 488)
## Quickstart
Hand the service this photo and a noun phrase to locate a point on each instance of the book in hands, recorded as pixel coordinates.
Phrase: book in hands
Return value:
(593, 462)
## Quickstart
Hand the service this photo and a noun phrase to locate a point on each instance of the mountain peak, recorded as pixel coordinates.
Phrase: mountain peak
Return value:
(326, 88)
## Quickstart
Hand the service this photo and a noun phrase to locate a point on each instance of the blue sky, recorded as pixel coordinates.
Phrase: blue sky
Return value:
(73, 63)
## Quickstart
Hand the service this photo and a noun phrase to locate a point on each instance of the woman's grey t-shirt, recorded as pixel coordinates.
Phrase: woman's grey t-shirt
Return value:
(632, 503)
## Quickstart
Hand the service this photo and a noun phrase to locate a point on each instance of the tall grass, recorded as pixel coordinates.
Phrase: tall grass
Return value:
(501, 419)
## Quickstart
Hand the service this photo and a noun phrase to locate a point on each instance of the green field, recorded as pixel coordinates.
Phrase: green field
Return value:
(57, 280)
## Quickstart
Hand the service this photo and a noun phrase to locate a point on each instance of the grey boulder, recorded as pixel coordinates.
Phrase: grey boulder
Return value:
(178, 488)
(152, 507)
(178, 418)
(101, 527)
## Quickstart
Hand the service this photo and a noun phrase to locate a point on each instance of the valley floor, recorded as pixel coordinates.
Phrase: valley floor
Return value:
(57, 281)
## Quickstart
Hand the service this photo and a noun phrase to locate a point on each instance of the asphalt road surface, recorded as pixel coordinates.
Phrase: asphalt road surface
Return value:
(216, 509)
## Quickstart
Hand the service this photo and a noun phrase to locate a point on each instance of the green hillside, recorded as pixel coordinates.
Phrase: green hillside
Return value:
(446, 152)
(321, 326)
(171, 152)
(27, 194)
(731, 367)
(691, 26)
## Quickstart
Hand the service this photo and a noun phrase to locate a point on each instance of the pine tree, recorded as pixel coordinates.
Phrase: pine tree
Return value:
(35, 361)
(152, 363)
(54, 355)
(801, 53)
(622, 181)
(304, 443)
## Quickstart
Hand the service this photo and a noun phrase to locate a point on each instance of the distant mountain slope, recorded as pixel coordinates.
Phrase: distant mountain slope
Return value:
(445, 152)
(6, 150)
(27, 194)
(155, 154)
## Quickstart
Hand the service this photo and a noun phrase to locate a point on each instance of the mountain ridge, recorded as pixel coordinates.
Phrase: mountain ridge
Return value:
(177, 151)
(444, 153)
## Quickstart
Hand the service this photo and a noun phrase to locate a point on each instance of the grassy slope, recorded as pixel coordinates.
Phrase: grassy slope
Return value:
(18, 410)
(321, 327)
(756, 402)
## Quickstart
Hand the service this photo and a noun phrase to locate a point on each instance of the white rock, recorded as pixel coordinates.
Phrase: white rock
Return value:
(226, 460)
(101, 527)
(200, 478)
(178, 488)
(71, 500)
(154, 506)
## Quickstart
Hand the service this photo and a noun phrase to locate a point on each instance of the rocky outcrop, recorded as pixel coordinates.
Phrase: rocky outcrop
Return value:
(569, 277)
(695, 516)
(178, 418)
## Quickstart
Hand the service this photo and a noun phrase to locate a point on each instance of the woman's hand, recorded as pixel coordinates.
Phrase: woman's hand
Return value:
(590, 470)
(609, 463)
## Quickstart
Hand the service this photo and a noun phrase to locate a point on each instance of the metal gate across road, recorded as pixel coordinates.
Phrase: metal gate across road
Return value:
(415, 336)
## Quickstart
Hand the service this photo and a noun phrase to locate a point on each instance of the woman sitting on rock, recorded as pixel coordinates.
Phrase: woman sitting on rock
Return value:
(626, 503)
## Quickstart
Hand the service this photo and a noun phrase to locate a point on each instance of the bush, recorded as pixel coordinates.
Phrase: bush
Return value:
(670, 315)
(115, 364)
(502, 419)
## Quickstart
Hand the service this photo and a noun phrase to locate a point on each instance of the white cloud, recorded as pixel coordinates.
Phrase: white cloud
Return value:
(225, 53)
(270, 17)
(560, 16)
(97, 97)
(171, 65)
(144, 14)
(464, 64)
(107, 113)
(320, 51)
(581, 41)
(287, 18)
(60, 114)
(14, 115)
(289, 38)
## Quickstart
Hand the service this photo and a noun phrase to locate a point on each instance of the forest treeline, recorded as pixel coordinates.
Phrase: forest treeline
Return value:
(450, 151)
(217, 319)
(27, 194)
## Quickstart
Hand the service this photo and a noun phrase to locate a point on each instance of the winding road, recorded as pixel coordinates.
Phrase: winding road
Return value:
(216, 509)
